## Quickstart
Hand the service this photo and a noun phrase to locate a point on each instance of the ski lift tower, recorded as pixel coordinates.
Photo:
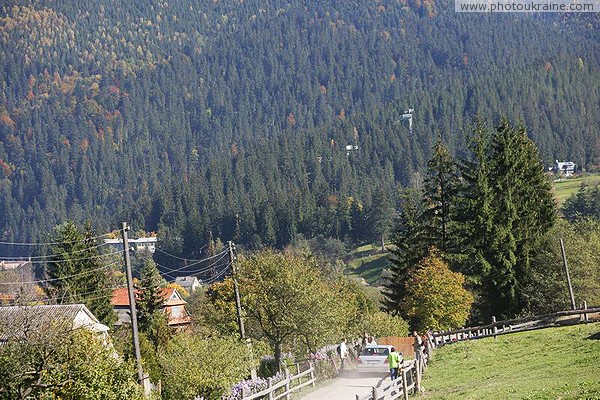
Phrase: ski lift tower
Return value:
(408, 115)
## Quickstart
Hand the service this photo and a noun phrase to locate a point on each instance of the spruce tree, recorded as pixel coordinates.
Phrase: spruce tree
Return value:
(408, 248)
(523, 211)
(76, 274)
(441, 192)
(149, 299)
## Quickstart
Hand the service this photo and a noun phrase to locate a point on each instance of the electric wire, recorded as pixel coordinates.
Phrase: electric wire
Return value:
(183, 259)
(203, 269)
(55, 255)
(63, 277)
(55, 243)
(74, 259)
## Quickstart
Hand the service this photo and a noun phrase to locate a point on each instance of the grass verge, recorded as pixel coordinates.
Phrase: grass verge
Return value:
(553, 363)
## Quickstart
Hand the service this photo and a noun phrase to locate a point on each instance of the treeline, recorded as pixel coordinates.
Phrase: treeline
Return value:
(232, 119)
(492, 218)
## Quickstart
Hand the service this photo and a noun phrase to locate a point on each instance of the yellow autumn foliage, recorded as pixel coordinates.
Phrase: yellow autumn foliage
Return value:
(436, 298)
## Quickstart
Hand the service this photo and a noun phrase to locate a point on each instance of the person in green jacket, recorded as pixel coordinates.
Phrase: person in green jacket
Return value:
(394, 360)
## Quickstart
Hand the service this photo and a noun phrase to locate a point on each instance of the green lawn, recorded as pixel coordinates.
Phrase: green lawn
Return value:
(553, 363)
(563, 189)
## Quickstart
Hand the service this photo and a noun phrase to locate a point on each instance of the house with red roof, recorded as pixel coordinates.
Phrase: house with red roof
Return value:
(173, 305)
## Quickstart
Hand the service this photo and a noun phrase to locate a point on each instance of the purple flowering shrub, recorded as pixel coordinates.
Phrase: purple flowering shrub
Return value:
(251, 386)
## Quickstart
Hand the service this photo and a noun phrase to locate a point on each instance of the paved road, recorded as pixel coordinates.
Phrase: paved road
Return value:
(347, 386)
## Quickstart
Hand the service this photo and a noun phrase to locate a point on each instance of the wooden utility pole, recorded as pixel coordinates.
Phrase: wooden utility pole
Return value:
(134, 327)
(564, 256)
(238, 303)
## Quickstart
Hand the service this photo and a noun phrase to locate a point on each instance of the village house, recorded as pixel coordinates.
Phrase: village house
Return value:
(189, 283)
(566, 168)
(139, 245)
(25, 319)
(173, 305)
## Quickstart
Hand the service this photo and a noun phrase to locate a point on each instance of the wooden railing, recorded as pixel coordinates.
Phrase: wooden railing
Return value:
(408, 381)
(284, 388)
(514, 325)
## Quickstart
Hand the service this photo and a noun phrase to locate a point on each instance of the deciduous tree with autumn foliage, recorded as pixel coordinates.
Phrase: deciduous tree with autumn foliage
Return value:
(436, 296)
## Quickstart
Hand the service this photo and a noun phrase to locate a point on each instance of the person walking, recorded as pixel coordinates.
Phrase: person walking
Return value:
(343, 353)
(394, 359)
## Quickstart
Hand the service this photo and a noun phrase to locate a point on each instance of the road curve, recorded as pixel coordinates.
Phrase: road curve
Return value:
(347, 385)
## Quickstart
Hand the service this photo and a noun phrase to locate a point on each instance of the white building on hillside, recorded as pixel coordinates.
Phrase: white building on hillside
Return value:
(566, 168)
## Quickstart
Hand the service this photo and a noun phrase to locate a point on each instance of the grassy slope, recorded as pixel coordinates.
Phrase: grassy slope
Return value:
(563, 189)
(367, 262)
(555, 363)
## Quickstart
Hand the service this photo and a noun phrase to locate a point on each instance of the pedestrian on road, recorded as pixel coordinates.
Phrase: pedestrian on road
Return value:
(394, 359)
(343, 353)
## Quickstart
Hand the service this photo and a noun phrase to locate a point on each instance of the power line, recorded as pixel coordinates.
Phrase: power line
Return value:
(61, 278)
(74, 259)
(55, 255)
(219, 275)
(183, 259)
(53, 243)
(203, 269)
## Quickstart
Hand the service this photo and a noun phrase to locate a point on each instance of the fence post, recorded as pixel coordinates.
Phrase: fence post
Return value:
(298, 373)
(312, 373)
(287, 384)
(270, 385)
(334, 365)
(585, 307)
(404, 383)
(495, 328)
(419, 371)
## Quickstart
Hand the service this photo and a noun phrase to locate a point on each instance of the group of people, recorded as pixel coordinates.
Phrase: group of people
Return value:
(394, 358)
(359, 344)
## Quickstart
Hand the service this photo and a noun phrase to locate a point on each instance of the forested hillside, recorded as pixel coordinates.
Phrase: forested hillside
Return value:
(232, 118)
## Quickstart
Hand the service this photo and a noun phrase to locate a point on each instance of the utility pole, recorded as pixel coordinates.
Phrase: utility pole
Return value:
(134, 327)
(238, 303)
(564, 256)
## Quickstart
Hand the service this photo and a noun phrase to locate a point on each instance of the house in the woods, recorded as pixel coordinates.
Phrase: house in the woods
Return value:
(139, 245)
(20, 321)
(173, 305)
(189, 283)
(565, 168)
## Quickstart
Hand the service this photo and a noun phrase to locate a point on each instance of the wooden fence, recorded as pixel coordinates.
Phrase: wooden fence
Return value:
(403, 345)
(516, 325)
(408, 381)
(284, 388)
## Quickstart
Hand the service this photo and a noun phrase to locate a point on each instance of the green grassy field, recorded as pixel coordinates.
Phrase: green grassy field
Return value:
(367, 262)
(563, 189)
(554, 363)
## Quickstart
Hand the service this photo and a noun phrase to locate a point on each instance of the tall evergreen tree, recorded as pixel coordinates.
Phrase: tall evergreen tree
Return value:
(408, 248)
(76, 273)
(441, 190)
(149, 299)
(523, 211)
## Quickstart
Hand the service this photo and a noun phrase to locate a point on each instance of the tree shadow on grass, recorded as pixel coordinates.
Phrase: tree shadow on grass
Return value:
(595, 336)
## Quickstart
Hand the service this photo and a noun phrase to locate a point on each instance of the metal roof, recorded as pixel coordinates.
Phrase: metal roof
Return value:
(17, 321)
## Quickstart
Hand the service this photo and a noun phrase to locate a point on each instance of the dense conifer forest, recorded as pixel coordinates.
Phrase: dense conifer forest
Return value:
(231, 119)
